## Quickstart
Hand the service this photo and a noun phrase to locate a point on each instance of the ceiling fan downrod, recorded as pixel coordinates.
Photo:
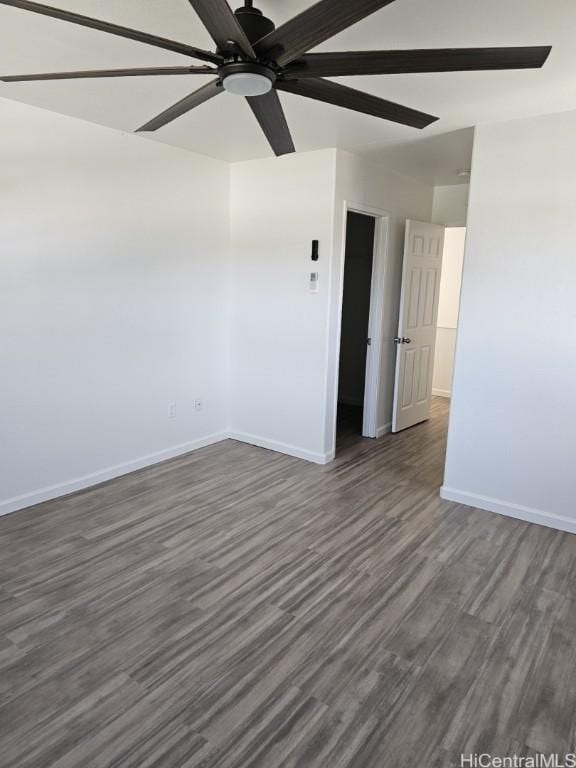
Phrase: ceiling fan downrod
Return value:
(253, 22)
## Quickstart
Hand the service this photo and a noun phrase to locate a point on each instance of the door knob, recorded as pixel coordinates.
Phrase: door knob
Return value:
(402, 340)
(406, 341)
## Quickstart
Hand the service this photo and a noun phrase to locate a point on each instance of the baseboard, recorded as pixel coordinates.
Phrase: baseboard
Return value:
(528, 514)
(290, 450)
(442, 393)
(109, 473)
(384, 430)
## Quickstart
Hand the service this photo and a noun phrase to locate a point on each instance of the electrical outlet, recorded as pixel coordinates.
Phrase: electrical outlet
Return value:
(198, 404)
(172, 410)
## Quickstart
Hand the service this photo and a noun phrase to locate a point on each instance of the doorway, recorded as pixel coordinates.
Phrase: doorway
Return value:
(355, 323)
(449, 307)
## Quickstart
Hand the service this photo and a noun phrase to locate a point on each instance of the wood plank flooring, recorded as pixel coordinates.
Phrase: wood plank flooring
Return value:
(236, 608)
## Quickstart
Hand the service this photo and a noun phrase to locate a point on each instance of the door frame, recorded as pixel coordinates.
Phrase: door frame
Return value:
(376, 318)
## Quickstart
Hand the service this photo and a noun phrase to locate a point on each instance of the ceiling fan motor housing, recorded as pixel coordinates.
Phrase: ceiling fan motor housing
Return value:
(254, 23)
(236, 68)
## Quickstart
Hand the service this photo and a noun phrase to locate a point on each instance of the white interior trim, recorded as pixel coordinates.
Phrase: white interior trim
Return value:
(289, 450)
(528, 514)
(109, 473)
(118, 470)
(376, 320)
(384, 430)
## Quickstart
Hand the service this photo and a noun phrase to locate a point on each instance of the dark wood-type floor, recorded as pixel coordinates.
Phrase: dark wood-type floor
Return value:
(236, 608)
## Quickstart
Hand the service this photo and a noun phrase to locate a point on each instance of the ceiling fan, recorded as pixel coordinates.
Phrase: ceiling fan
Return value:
(255, 60)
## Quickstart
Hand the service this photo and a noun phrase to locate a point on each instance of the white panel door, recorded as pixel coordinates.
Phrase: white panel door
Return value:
(416, 338)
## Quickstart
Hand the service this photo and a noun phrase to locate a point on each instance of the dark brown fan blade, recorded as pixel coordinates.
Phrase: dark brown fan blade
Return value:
(114, 29)
(269, 113)
(314, 25)
(184, 105)
(222, 24)
(396, 62)
(93, 73)
(349, 98)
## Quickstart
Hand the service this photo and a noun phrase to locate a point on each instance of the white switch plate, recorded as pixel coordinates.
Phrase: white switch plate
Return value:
(172, 410)
(198, 404)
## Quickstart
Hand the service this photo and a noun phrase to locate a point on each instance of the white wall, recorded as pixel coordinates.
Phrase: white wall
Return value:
(119, 296)
(448, 307)
(450, 205)
(285, 341)
(279, 328)
(512, 439)
(364, 182)
(112, 302)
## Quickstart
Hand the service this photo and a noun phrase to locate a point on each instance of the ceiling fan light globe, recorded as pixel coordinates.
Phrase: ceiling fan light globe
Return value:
(247, 84)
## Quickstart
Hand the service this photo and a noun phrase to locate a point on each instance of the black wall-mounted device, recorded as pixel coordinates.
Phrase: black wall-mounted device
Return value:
(315, 254)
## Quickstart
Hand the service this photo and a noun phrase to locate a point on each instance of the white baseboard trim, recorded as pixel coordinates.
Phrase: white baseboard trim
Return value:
(528, 514)
(441, 392)
(290, 450)
(384, 430)
(109, 473)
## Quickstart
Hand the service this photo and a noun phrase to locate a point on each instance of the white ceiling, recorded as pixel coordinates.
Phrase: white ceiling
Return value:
(435, 160)
(225, 127)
